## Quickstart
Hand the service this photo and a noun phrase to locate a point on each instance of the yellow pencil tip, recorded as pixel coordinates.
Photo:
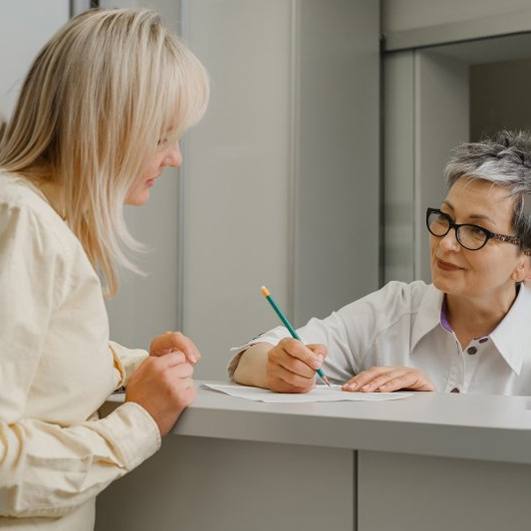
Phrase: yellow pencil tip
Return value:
(265, 291)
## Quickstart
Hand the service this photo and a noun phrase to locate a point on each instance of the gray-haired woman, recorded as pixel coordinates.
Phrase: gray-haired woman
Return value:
(468, 332)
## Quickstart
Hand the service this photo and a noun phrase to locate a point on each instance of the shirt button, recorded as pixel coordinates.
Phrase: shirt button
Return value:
(455, 390)
(483, 339)
(472, 350)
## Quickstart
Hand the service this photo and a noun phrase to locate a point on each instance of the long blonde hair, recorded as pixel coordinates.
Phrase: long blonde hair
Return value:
(97, 98)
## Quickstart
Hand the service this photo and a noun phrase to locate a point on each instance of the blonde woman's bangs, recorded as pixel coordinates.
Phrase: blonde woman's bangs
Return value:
(185, 88)
(100, 96)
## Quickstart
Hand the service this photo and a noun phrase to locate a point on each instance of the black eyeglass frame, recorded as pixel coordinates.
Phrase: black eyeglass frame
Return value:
(488, 234)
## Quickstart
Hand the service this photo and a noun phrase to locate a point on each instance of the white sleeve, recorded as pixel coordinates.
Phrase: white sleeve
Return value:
(348, 333)
(47, 469)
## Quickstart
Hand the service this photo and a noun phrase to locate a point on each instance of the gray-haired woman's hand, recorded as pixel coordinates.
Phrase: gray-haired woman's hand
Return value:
(388, 379)
(291, 366)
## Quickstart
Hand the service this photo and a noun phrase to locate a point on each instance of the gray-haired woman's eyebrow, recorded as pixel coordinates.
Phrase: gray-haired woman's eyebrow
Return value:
(472, 216)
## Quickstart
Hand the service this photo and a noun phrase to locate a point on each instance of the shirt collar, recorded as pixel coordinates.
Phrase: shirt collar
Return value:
(510, 337)
(513, 334)
(428, 315)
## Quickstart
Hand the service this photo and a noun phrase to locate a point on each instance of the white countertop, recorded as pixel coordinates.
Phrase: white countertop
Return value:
(494, 428)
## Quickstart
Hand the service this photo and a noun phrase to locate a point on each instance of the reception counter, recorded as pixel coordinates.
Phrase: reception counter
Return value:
(426, 463)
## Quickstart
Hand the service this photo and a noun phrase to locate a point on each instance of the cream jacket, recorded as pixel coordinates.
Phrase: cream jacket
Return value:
(57, 367)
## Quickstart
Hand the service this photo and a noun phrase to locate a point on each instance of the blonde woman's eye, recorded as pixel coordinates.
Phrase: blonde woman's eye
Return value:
(162, 141)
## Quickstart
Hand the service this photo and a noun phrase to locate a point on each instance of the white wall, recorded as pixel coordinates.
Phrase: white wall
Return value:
(237, 174)
(399, 166)
(169, 9)
(218, 228)
(427, 114)
(150, 305)
(499, 97)
(280, 181)
(441, 123)
(410, 24)
(25, 26)
(403, 15)
(337, 223)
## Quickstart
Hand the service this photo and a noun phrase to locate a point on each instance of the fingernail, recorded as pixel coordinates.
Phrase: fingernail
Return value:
(366, 387)
(353, 386)
(193, 359)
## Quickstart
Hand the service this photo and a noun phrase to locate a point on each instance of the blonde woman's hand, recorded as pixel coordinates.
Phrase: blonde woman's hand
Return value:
(163, 386)
(291, 366)
(388, 379)
(174, 341)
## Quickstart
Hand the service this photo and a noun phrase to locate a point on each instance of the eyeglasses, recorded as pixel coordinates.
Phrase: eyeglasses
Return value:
(471, 237)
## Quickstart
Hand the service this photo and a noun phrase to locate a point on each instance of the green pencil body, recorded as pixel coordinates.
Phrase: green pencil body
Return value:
(288, 325)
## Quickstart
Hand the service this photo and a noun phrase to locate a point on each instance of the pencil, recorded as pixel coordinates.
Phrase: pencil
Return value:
(287, 324)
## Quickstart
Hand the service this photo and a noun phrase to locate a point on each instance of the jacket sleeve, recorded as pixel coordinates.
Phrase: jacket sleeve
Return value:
(46, 469)
(126, 360)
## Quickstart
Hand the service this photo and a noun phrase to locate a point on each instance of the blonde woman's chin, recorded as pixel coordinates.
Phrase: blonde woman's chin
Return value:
(138, 197)
(139, 194)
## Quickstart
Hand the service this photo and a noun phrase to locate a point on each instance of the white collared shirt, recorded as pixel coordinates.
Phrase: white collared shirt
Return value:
(400, 325)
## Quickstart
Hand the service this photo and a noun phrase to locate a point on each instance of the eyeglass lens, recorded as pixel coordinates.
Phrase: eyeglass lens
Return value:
(469, 236)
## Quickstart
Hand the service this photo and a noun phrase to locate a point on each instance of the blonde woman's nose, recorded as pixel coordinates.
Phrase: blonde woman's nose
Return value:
(174, 156)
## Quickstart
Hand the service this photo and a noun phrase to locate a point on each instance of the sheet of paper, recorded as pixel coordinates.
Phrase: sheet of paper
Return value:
(321, 393)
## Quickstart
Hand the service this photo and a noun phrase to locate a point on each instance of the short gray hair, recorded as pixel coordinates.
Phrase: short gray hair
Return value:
(504, 160)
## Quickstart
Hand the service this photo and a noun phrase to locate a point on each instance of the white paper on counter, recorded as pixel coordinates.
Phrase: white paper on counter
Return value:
(321, 393)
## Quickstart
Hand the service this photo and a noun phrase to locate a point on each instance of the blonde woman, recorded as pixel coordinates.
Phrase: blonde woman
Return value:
(99, 116)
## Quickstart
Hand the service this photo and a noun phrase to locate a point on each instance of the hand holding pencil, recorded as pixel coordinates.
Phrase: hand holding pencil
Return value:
(292, 365)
